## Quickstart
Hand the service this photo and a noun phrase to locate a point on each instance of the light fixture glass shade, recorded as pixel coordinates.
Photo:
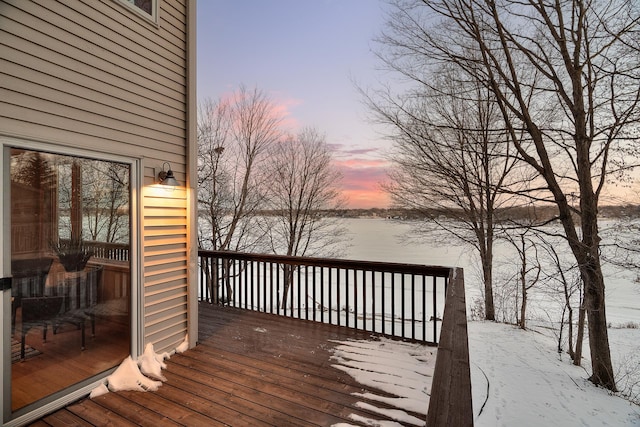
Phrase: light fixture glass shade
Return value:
(166, 177)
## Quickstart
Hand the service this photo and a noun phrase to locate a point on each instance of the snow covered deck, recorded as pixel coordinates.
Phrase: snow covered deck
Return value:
(258, 369)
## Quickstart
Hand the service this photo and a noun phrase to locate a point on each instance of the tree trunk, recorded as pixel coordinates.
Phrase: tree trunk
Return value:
(523, 282)
(597, 322)
(577, 357)
(567, 305)
(226, 278)
(288, 280)
(523, 308)
(570, 332)
(487, 273)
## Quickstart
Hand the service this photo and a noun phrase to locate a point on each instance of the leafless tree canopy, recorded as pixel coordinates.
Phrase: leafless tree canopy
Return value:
(303, 183)
(259, 189)
(234, 138)
(565, 77)
(452, 160)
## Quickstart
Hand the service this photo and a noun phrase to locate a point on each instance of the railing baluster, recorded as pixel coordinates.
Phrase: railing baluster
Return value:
(413, 306)
(393, 304)
(291, 288)
(321, 295)
(424, 307)
(245, 281)
(402, 297)
(338, 306)
(373, 301)
(364, 300)
(255, 290)
(270, 288)
(330, 296)
(314, 303)
(279, 297)
(355, 299)
(264, 287)
(435, 307)
(305, 300)
(383, 303)
(346, 314)
(236, 289)
(218, 279)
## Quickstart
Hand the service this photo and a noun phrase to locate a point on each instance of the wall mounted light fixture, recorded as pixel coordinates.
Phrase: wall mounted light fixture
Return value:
(166, 177)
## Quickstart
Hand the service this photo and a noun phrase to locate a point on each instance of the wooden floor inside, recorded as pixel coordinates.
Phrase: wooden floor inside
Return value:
(249, 369)
(60, 362)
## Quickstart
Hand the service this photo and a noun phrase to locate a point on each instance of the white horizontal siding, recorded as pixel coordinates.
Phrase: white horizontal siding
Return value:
(96, 75)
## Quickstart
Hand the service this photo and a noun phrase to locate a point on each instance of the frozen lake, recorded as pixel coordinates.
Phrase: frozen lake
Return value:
(373, 239)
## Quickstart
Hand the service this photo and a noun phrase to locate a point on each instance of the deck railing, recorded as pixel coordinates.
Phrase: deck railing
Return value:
(105, 250)
(403, 300)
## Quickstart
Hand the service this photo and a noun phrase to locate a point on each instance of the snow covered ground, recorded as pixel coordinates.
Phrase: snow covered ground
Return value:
(518, 379)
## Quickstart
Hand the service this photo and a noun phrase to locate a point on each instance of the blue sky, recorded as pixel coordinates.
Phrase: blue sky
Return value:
(306, 56)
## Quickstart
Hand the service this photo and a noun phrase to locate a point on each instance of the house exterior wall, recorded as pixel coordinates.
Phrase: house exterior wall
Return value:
(98, 76)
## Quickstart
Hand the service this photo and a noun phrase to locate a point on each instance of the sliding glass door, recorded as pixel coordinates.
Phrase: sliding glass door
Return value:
(70, 264)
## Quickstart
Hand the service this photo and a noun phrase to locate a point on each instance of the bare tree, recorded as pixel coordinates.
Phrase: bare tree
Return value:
(303, 185)
(529, 267)
(451, 160)
(234, 138)
(567, 74)
(568, 279)
(105, 200)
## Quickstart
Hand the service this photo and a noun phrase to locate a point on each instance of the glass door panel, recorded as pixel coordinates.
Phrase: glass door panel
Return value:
(70, 295)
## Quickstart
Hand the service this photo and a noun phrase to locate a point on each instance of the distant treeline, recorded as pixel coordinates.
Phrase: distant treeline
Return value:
(541, 213)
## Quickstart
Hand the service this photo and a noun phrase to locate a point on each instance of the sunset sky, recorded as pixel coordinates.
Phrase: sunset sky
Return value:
(306, 55)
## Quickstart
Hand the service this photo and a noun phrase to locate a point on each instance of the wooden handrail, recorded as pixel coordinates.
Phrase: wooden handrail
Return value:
(450, 403)
(390, 267)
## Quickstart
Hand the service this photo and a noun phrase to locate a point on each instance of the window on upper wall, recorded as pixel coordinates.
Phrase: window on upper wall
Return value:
(147, 8)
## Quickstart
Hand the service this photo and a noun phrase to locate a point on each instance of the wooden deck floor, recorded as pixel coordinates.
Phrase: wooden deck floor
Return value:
(249, 369)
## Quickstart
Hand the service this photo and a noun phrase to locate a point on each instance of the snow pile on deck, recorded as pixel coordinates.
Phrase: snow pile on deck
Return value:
(143, 375)
(402, 371)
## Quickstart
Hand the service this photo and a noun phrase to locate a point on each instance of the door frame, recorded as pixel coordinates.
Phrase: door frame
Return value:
(60, 399)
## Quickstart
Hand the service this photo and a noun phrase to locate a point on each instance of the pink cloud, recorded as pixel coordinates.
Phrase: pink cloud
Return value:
(362, 182)
(283, 107)
(280, 106)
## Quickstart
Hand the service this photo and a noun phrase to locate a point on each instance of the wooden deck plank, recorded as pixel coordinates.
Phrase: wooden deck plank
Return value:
(64, 418)
(97, 415)
(249, 369)
(289, 376)
(238, 399)
(306, 404)
(176, 411)
(132, 411)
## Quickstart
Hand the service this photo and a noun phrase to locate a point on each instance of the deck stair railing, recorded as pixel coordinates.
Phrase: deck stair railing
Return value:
(402, 300)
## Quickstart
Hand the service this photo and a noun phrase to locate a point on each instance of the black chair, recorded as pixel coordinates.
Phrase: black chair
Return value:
(29, 278)
(80, 295)
(38, 311)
